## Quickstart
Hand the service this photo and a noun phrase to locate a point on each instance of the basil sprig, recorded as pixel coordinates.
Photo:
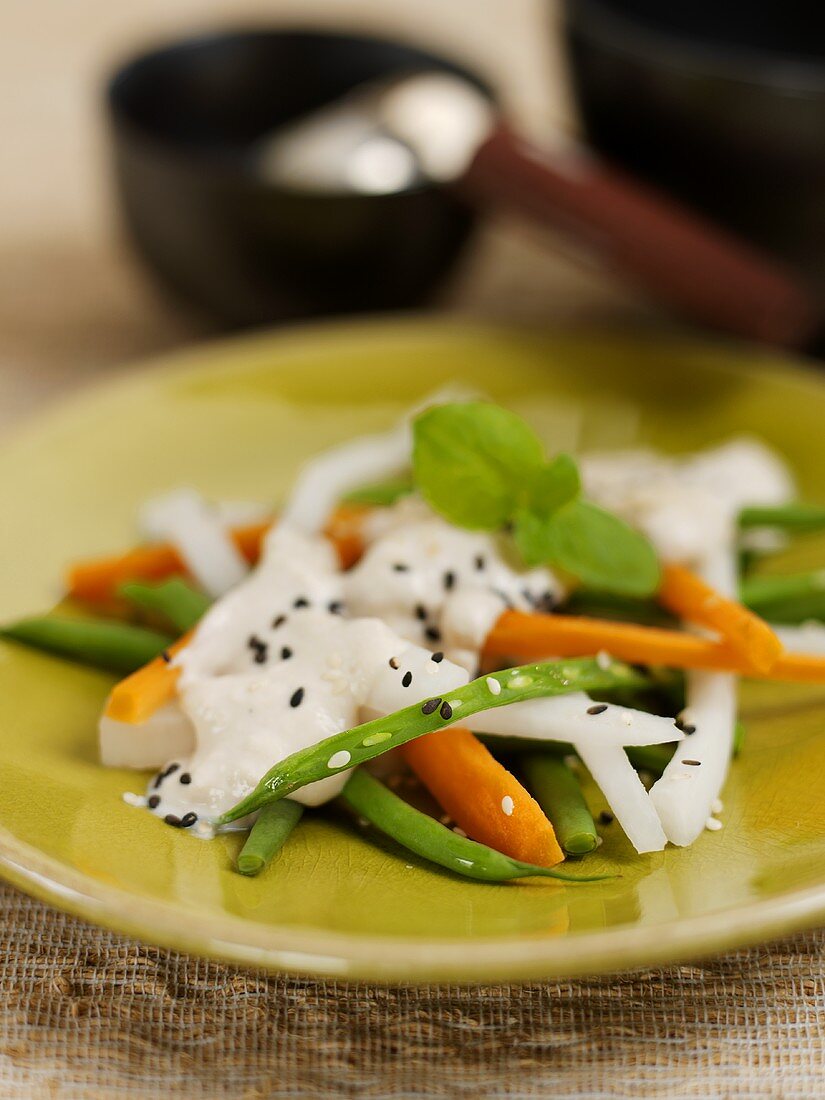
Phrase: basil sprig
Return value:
(482, 467)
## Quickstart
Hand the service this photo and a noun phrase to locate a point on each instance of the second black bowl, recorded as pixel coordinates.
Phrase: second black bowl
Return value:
(184, 118)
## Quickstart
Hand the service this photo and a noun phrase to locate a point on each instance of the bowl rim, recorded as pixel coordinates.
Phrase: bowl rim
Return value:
(236, 169)
(602, 23)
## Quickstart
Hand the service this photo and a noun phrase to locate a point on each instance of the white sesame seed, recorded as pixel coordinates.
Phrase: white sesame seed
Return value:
(445, 819)
(459, 831)
(133, 799)
(713, 824)
(604, 660)
(599, 841)
(339, 759)
(493, 686)
(508, 805)
(409, 866)
(718, 806)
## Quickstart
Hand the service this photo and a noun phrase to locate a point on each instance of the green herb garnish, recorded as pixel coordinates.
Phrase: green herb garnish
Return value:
(483, 467)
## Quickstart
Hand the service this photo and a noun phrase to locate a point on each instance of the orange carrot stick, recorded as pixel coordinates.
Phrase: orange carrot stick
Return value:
(99, 579)
(136, 698)
(689, 597)
(523, 636)
(481, 796)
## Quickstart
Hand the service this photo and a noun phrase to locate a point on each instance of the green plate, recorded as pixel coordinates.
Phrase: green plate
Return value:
(236, 419)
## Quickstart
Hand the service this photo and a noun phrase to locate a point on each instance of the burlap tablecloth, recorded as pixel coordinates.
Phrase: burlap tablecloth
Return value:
(90, 1014)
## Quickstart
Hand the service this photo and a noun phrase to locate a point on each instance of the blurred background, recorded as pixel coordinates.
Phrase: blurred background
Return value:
(75, 299)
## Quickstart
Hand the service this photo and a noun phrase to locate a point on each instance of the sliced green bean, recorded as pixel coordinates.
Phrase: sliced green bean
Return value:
(381, 494)
(557, 791)
(792, 598)
(113, 646)
(176, 600)
(425, 836)
(268, 835)
(797, 517)
(356, 746)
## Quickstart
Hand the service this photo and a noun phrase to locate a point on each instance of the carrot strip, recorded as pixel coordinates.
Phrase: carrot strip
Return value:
(689, 597)
(99, 579)
(522, 636)
(136, 698)
(481, 796)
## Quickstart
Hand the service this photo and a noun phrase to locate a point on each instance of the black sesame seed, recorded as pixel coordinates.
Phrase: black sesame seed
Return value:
(302, 601)
(158, 780)
(260, 656)
(599, 708)
(432, 634)
(172, 819)
(171, 770)
(420, 612)
(279, 621)
(400, 567)
(430, 706)
(185, 778)
(605, 818)
(153, 802)
(166, 656)
(449, 579)
(188, 819)
(335, 607)
(286, 653)
(297, 698)
(685, 727)
(393, 662)
(438, 657)
(480, 562)
(546, 602)
(406, 679)
(692, 763)
(446, 711)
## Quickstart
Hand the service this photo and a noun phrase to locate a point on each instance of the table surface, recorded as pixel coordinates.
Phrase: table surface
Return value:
(84, 1013)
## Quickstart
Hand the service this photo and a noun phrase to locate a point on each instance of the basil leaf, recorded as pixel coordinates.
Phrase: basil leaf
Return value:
(381, 494)
(554, 485)
(601, 550)
(474, 463)
(533, 537)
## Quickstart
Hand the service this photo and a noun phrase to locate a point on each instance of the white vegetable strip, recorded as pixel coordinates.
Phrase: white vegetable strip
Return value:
(685, 793)
(324, 480)
(565, 718)
(167, 735)
(807, 638)
(197, 532)
(625, 794)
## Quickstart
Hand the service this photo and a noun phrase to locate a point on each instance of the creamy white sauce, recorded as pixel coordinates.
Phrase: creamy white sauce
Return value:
(686, 505)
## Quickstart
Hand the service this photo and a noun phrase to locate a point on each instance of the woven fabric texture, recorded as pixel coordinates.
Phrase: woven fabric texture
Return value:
(89, 1014)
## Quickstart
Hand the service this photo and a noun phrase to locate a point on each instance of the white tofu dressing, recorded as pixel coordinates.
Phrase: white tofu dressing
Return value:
(300, 651)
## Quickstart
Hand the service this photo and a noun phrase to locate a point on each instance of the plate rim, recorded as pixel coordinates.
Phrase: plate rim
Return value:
(319, 952)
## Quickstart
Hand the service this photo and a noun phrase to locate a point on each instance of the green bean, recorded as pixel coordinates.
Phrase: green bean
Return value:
(792, 598)
(382, 494)
(797, 517)
(268, 835)
(650, 758)
(113, 646)
(557, 791)
(356, 746)
(738, 738)
(178, 601)
(425, 836)
(606, 605)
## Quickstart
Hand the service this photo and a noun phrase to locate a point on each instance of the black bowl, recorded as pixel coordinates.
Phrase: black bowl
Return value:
(185, 118)
(721, 102)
